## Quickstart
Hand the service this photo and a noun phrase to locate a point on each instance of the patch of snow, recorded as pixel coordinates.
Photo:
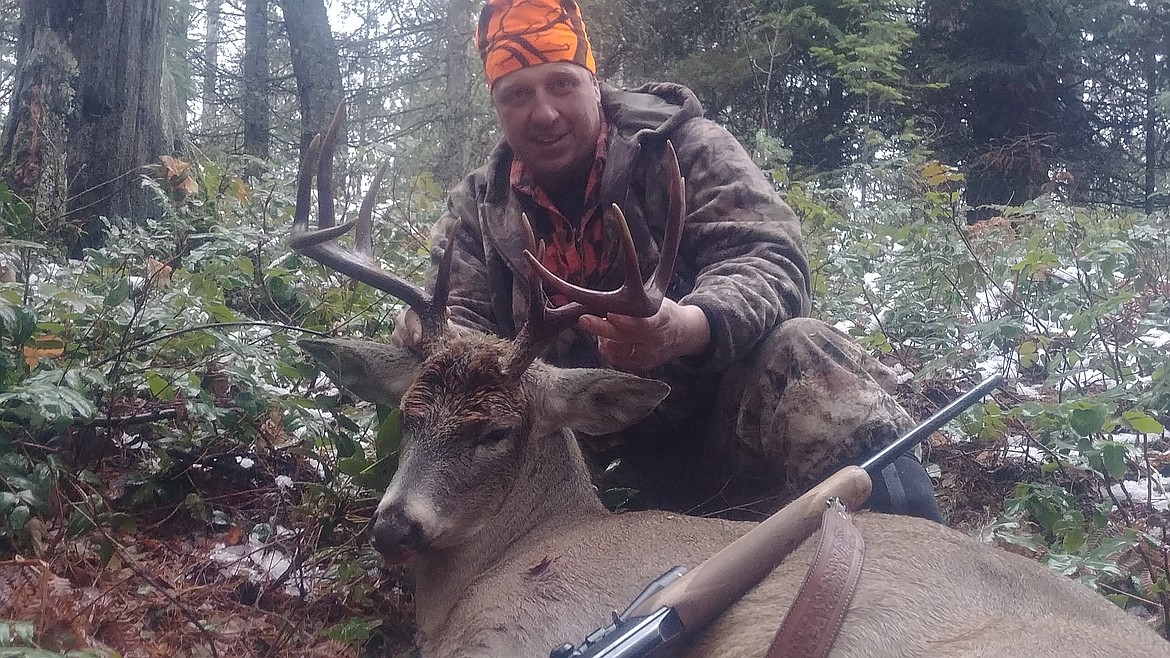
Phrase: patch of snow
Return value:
(1019, 448)
(1155, 338)
(845, 326)
(1145, 490)
(1084, 377)
(1126, 438)
(254, 561)
(245, 462)
(284, 482)
(997, 364)
(1028, 392)
(1066, 274)
(263, 563)
(129, 441)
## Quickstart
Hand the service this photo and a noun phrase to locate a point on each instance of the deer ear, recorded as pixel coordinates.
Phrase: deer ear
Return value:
(372, 371)
(597, 402)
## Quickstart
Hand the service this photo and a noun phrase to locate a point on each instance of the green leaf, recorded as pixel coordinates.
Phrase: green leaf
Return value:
(1113, 455)
(222, 313)
(354, 631)
(389, 436)
(119, 293)
(159, 386)
(19, 517)
(1088, 417)
(122, 522)
(1142, 422)
(79, 524)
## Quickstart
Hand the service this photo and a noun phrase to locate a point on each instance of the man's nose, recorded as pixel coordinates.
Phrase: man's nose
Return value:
(544, 111)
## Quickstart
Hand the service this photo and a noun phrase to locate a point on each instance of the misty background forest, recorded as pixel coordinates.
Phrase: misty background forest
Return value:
(984, 188)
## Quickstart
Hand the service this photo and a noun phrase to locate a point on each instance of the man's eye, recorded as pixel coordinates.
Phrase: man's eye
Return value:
(562, 86)
(514, 96)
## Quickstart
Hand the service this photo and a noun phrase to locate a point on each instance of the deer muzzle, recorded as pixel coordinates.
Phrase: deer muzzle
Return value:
(398, 536)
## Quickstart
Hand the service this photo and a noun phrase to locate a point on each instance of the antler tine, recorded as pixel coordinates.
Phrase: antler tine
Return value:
(363, 234)
(321, 245)
(633, 298)
(434, 324)
(326, 214)
(543, 321)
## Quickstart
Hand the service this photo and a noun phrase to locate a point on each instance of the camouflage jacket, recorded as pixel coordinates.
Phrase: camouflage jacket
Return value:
(741, 259)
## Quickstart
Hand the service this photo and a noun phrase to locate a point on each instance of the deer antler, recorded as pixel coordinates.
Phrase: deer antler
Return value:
(321, 244)
(633, 298)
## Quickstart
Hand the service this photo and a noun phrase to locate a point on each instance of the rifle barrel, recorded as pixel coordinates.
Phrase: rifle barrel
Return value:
(883, 458)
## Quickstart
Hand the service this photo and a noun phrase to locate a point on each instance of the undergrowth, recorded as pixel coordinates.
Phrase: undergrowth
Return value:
(153, 392)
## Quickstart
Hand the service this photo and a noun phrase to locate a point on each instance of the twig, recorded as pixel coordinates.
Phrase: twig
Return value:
(214, 325)
(1162, 598)
(153, 580)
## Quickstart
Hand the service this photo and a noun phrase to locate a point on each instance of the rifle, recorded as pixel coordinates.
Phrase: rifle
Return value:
(680, 602)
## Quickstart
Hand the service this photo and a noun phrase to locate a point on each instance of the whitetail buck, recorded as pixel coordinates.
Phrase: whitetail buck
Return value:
(513, 554)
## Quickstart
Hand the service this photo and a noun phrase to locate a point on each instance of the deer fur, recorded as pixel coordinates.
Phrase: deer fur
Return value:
(513, 554)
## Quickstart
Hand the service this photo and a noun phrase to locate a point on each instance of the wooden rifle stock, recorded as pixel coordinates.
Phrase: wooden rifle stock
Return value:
(703, 593)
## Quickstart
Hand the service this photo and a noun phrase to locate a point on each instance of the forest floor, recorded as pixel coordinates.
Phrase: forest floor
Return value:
(169, 585)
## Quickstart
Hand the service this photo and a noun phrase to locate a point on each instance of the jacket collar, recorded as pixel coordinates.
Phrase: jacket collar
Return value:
(645, 115)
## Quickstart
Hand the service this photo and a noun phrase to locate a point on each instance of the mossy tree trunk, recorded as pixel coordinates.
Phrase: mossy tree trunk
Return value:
(86, 112)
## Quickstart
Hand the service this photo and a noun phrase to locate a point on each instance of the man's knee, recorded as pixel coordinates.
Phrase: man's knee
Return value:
(810, 344)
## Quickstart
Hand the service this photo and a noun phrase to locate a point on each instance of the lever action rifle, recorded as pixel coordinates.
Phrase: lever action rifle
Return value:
(680, 602)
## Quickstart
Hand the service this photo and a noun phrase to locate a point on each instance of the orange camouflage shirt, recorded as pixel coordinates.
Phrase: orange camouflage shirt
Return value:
(576, 254)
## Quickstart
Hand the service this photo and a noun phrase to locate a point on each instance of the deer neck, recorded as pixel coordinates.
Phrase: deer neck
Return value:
(553, 488)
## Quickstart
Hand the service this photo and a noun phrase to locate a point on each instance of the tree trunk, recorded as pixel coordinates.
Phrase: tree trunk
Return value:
(316, 65)
(454, 156)
(1151, 130)
(256, 107)
(210, 66)
(87, 111)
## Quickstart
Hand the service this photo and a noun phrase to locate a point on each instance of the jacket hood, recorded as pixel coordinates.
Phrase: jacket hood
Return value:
(650, 111)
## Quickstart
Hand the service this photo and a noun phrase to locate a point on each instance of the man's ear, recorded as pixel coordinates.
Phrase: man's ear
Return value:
(595, 401)
(374, 372)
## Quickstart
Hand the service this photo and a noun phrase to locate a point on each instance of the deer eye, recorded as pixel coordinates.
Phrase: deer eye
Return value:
(495, 436)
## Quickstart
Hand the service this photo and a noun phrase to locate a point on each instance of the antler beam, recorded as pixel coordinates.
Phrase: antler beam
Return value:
(633, 298)
(321, 244)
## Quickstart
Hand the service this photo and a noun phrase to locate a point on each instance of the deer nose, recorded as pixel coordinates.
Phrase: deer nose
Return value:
(397, 536)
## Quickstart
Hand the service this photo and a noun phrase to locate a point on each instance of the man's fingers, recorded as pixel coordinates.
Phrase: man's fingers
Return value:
(407, 329)
(599, 327)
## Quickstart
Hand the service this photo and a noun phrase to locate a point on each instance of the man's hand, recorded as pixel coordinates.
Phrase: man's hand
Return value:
(407, 330)
(641, 344)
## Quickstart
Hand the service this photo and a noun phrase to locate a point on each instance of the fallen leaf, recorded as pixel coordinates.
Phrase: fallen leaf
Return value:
(45, 346)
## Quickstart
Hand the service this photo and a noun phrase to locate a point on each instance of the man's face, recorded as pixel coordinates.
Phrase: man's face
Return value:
(551, 116)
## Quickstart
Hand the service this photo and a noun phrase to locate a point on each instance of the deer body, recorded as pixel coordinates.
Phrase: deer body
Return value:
(545, 563)
(514, 555)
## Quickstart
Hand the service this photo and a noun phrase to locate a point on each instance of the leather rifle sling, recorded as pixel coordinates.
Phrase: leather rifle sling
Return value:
(813, 621)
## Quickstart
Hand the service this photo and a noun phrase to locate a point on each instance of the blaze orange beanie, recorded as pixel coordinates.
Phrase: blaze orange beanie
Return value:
(516, 34)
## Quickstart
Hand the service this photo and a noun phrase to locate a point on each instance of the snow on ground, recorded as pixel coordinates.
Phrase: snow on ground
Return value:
(262, 562)
(1156, 338)
(1151, 490)
(1019, 448)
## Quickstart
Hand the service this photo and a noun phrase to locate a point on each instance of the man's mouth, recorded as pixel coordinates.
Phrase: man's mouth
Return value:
(547, 141)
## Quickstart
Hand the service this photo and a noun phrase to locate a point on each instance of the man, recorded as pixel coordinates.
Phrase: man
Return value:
(764, 400)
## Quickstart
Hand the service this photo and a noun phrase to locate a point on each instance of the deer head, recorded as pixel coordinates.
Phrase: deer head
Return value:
(475, 409)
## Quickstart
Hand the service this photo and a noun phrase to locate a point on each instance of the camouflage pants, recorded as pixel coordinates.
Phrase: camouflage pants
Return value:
(806, 401)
